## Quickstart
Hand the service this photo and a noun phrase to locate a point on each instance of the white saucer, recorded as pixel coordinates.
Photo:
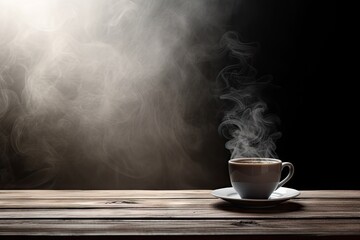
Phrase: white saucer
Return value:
(280, 195)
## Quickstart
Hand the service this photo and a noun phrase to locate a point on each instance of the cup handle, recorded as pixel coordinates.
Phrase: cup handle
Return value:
(290, 174)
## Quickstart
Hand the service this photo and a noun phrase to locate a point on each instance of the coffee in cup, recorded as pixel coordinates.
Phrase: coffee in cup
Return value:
(257, 178)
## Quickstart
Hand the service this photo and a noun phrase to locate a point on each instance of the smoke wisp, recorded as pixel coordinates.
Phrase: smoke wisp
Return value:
(106, 94)
(247, 124)
(120, 94)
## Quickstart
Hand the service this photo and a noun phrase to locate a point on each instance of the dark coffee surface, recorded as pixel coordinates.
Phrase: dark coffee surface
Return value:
(255, 161)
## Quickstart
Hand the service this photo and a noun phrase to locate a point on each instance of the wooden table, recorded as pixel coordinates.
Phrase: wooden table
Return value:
(174, 214)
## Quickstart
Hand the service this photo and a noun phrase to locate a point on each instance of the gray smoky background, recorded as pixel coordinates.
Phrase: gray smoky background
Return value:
(125, 94)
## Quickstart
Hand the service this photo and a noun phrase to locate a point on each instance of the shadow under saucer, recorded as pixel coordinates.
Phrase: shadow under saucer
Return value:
(288, 206)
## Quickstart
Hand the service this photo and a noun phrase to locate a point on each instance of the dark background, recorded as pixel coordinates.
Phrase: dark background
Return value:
(302, 47)
(306, 50)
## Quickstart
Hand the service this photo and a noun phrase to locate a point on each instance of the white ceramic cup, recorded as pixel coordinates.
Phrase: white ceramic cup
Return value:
(257, 178)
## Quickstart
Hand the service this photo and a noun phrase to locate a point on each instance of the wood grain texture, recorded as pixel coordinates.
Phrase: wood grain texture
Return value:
(309, 227)
(183, 213)
(105, 194)
(190, 194)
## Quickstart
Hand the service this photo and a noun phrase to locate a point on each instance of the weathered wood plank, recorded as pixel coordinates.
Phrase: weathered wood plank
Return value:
(240, 227)
(45, 194)
(175, 213)
(321, 204)
(320, 194)
(285, 210)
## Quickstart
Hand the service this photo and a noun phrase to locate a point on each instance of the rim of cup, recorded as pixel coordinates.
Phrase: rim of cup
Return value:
(238, 160)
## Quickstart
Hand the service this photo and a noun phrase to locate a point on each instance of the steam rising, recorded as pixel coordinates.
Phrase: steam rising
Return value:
(116, 94)
(250, 128)
(109, 93)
